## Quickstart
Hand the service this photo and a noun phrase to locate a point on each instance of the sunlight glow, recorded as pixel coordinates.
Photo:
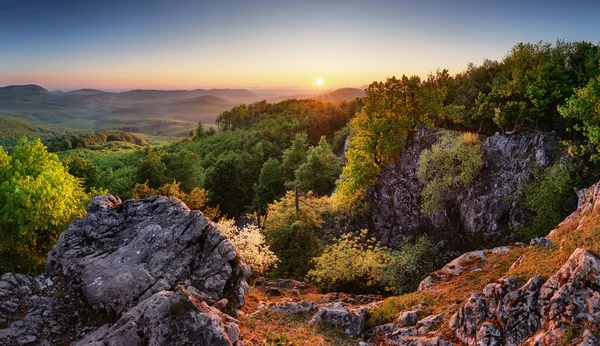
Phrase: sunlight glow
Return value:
(319, 81)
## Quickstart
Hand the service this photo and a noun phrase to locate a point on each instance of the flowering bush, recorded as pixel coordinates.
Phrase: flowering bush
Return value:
(250, 242)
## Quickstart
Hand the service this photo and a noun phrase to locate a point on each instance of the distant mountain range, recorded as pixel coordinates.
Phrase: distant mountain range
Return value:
(160, 112)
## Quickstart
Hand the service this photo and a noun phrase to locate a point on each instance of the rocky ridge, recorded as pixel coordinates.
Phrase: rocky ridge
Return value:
(563, 308)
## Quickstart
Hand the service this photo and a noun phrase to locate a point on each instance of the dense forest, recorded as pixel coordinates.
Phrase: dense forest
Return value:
(297, 172)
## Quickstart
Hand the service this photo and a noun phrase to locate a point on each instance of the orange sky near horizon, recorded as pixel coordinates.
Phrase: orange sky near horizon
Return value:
(187, 44)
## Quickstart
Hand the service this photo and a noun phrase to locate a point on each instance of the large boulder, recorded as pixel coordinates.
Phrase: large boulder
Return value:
(122, 253)
(489, 206)
(139, 272)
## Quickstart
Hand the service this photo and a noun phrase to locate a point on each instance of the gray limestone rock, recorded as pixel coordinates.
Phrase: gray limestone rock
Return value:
(486, 207)
(122, 253)
(168, 318)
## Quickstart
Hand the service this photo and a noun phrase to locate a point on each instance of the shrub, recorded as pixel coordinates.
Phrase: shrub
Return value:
(451, 163)
(550, 198)
(292, 233)
(355, 263)
(410, 264)
(250, 242)
(196, 200)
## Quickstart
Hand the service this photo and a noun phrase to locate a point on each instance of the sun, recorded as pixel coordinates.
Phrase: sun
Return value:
(319, 81)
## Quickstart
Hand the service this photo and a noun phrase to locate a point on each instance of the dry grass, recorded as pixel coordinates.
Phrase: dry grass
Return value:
(280, 328)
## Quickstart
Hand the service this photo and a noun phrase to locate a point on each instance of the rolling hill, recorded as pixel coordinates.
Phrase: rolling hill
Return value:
(159, 112)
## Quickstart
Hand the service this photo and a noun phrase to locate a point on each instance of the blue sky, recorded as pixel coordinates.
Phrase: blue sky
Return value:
(188, 44)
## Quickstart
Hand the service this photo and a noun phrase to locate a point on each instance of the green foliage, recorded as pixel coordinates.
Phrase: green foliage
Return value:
(320, 171)
(295, 155)
(339, 140)
(40, 198)
(410, 264)
(550, 198)
(223, 181)
(152, 169)
(532, 80)
(451, 163)
(80, 167)
(91, 139)
(293, 234)
(269, 186)
(355, 263)
(184, 166)
(584, 107)
(392, 112)
(196, 200)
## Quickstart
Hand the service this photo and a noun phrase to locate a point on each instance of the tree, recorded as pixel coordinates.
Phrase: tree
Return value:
(320, 171)
(393, 110)
(82, 168)
(184, 166)
(409, 264)
(292, 233)
(152, 169)
(294, 156)
(354, 263)
(223, 182)
(584, 108)
(39, 200)
(195, 200)
(269, 186)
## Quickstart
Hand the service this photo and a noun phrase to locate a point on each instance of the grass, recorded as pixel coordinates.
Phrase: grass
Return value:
(280, 328)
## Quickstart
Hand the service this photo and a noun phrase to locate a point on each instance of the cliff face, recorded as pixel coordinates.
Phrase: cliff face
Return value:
(488, 207)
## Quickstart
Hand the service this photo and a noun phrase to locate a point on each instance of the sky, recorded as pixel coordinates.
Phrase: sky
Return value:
(185, 44)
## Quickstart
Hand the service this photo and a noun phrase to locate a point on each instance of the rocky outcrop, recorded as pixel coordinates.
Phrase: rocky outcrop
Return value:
(139, 272)
(121, 253)
(26, 316)
(168, 318)
(487, 207)
(350, 319)
(536, 313)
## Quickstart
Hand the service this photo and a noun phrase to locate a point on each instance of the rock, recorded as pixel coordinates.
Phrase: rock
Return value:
(27, 318)
(348, 318)
(572, 295)
(536, 313)
(221, 305)
(117, 277)
(168, 318)
(425, 284)
(454, 267)
(515, 309)
(419, 335)
(122, 253)
(407, 318)
(489, 206)
(542, 241)
(273, 291)
(292, 307)
(500, 249)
